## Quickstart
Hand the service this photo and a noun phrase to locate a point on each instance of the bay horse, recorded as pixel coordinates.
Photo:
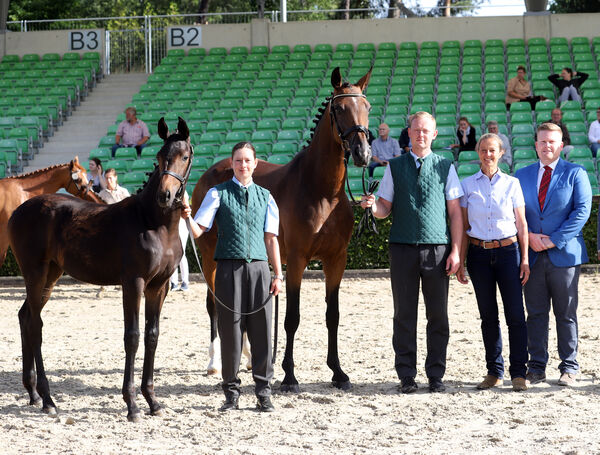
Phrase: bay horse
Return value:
(134, 243)
(316, 218)
(17, 189)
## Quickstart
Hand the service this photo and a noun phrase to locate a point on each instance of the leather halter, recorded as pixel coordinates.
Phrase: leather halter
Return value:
(343, 135)
(82, 190)
(182, 179)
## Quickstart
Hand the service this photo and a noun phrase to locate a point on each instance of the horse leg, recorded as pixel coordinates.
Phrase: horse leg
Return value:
(3, 244)
(334, 270)
(132, 293)
(295, 268)
(39, 287)
(29, 374)
(154, 302)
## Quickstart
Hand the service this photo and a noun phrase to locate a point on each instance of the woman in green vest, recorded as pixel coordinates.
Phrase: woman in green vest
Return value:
(248, 221)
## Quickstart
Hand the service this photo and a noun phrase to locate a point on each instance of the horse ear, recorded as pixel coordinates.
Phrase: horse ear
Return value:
(336, 78)
(76, 160)
(182, 128)
(163, 129)
(364, 81)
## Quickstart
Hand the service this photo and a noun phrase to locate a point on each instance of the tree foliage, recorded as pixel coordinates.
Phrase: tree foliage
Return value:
(575, 6)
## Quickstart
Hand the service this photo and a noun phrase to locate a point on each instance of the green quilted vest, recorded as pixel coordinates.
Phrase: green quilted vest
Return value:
(241, 222)
(419, 205)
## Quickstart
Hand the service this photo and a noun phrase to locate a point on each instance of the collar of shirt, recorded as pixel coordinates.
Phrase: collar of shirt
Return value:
(236, 181)
(416, 157)
(552, 165)
(494, 179)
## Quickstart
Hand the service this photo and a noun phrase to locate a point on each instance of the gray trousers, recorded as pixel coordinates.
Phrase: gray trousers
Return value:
(409, 266)
(244, 286)
(559, 286)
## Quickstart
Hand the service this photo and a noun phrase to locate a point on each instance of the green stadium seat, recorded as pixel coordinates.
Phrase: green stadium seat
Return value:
(284, 148)
(523, 128)
(468, 157)
(467, 169)
(521, 117)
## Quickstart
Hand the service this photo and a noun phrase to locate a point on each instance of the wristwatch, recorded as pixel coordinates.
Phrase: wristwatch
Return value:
(278, 276)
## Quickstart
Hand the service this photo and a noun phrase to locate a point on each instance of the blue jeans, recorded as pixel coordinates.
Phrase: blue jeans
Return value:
(558, 286)
(595, 147)
(488, 268)
(117, 146)
(372, 166)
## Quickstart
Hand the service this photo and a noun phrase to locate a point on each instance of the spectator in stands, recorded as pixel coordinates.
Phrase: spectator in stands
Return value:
(383, 148)
(495, 236)
(113, 191)
(569, 85)
(131, 132)
(492, 127)
(594, 134)
(96, 175)
(556, 118)
(465, 135)
(519, 90)
(183, 264)
(404, 141)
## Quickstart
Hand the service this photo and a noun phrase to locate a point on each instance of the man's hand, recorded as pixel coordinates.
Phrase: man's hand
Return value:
(276, 286)
(452, 263)
(367, 201)
(461, 276)
(539, 242)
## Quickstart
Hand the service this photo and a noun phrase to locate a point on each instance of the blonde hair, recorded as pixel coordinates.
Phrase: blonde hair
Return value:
(422, 114)
(492, 136)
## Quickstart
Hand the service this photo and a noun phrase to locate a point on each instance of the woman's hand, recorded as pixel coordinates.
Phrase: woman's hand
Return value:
(524, 272)
(186, 210)
(367, 201)
(276, 286)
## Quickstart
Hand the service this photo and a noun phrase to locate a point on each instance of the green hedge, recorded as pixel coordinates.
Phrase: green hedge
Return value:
(370, 251)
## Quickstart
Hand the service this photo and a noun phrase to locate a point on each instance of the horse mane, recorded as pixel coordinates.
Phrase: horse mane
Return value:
(38, 171)
(319, 116)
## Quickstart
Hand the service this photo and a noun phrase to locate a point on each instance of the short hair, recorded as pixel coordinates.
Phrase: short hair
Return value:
(243, 145)
(548, 126)
(521, 67)
(492, 123)
(110, 170)
(568, 70)
(421, 114)
(96, 160)
(131, 109)
(384, 125)
(465, 119)
(555, 109)
(486, 136)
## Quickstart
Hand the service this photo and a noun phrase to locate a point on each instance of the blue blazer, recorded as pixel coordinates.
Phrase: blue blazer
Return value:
(566, 210)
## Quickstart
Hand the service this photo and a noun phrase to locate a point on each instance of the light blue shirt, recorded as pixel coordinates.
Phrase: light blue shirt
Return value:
(208, 210)
(452, 189)
(491, 205)
(385, 150)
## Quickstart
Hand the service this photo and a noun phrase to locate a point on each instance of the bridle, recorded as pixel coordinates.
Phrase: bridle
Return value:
(182, 179)
(343, 135)
(82, 190)
(368, 220)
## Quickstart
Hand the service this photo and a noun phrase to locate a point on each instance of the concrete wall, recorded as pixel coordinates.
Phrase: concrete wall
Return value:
(43, 42)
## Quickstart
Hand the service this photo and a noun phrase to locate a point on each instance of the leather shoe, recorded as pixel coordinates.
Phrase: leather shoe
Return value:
(567, 379)
(535, 378)
(408, 385)
(264, 404)
(489, 382)
(519, 384)
(436, 385)
(231, 404)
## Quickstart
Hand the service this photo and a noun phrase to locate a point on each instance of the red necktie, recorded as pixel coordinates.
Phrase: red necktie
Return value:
(544, 186)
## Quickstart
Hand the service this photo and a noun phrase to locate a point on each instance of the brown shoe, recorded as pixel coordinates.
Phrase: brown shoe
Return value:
(489, 382)
(567, 379)
(519, 384)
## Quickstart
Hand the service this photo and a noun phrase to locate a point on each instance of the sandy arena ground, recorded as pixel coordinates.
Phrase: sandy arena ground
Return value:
(84, 359)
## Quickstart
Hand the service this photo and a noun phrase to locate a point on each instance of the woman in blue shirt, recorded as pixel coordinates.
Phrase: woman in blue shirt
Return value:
(495, 243)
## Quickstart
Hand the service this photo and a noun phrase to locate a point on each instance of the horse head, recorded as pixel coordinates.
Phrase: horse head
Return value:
(78, 178)
(174, 163)
(349, 111)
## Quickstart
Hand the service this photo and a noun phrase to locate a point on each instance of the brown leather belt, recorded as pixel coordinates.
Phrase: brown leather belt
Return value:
(493, 243)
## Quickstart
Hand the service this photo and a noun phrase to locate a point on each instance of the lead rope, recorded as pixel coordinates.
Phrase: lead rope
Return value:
(189, 226)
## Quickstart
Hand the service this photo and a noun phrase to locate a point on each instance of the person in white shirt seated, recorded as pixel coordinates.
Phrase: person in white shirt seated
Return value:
(594, 134)
(113, 191)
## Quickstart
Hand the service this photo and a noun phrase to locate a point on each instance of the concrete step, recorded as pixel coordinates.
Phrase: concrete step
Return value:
(82, 131)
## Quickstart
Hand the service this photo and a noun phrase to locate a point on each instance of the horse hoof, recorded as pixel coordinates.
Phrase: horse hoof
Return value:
(289, 388)
(342, 385)
(212, 371)
(51, 411)
(157, 412)
(135, 418)
(35, 401)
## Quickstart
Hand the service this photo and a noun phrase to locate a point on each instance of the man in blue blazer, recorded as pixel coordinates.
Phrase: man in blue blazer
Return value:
(558, 200)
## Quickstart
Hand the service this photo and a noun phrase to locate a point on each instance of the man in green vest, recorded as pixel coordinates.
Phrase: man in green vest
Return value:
(422, 190)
